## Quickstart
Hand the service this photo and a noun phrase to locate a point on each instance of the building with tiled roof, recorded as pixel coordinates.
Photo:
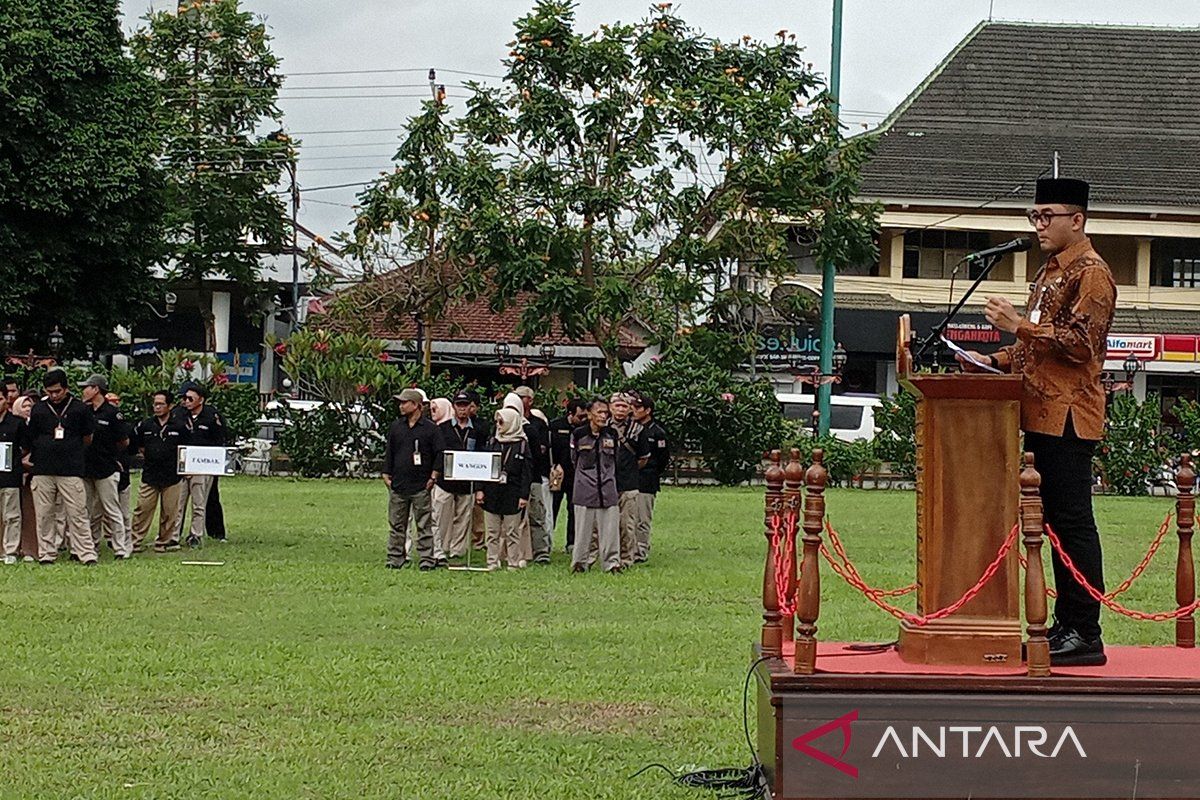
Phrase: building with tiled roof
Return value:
(955, 166)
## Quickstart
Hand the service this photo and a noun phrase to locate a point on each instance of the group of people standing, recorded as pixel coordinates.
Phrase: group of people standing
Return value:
(608, 474)
(64, 474)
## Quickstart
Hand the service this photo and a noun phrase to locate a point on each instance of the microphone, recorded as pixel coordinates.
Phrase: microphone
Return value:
(1015, 246)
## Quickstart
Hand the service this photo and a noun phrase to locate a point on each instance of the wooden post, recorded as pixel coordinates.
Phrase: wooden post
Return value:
(1037, 648)
(1185, 568)
(772, 630)
(808, 598)
(793, 481)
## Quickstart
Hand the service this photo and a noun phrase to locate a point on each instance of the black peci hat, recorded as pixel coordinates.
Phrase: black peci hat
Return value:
(1068, 191)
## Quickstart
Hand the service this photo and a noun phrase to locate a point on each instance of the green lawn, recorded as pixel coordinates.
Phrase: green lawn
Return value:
(302, 669)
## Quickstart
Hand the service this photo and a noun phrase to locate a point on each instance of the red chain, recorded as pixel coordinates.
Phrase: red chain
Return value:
(1105, 600)
(848, 565)
(1137, 571)
(924, 619)
(785, 558)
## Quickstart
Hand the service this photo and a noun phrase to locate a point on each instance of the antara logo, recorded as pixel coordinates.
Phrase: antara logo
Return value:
(945, 741)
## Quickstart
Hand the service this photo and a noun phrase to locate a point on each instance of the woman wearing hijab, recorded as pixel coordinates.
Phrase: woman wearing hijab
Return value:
(440, 410)
(504, 501)
(28, 549)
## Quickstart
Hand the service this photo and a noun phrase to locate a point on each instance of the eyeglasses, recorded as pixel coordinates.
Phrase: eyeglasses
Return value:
(1046, 217)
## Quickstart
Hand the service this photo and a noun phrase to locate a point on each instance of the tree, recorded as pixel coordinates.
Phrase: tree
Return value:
(80, 197)
(631, 171)
(218, 82)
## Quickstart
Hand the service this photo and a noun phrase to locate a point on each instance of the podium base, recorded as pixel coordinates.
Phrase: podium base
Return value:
(971, 641)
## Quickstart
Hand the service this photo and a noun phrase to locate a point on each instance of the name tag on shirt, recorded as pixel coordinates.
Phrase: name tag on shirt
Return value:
(1036, 316)
(416, 458)
(59, 433)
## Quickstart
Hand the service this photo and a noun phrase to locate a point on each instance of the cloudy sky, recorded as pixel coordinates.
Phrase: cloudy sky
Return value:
(888, 48)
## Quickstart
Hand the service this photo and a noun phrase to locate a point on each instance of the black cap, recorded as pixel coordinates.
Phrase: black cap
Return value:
(461, 397)
(1068, 191)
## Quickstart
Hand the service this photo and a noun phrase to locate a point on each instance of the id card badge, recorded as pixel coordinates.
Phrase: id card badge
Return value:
(1035, 316)
(59, 433)
(416, 458)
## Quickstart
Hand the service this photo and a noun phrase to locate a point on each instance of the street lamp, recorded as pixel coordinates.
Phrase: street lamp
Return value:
(816, 378)
(8, 337)
(55, 340)
(523, 368)
(1131, 365)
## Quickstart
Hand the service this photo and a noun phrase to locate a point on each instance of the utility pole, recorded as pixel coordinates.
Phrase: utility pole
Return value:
(828, 269)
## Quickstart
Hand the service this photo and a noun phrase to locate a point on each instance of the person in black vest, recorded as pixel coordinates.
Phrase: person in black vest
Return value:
(60, 429)
(206, 428)
(650, 473)
(453, 499)
(158, 439)
(560, 453)
(412, 462)
(102, 469)
(12, 438)
(504, 502)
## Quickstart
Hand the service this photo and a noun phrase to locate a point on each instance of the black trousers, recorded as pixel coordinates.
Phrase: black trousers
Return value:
(1065, 464)
(214, 514)
(558, 498)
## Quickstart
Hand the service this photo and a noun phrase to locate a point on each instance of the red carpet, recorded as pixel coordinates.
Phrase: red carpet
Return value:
(1123, 662)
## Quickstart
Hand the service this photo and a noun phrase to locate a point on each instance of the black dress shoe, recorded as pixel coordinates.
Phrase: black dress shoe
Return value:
(392, 565)
(1072, 650)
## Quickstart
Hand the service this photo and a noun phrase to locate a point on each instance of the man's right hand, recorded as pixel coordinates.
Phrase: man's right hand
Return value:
(388, 480)
(965, 363)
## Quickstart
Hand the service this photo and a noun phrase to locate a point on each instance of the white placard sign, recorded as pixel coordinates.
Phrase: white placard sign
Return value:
(469, 465)
(196, 460)
(6, 456)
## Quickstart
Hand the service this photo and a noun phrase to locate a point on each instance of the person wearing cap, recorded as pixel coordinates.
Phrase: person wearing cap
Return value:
(158, 439)
(102, 468)
(1061, 344)
(206, 428)
(575, 414)
(633, 452)
(412, 463)
(60, 429)
(650, 473)
(505, 501)
(453, 500)
(13, 440)
(537, 516)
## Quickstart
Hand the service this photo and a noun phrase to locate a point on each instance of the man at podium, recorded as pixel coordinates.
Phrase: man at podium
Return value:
(1060, 348)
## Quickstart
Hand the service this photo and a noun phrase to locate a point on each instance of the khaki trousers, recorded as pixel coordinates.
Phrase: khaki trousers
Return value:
(601, 524)
(10, 516)
(166, 499)
(195, 494)
(104, 512)
(629, 523)
(48, 490)
(537, 521)
(451, 521)
(503, 533)
(400, 508)
(126, 510)
(645, 515)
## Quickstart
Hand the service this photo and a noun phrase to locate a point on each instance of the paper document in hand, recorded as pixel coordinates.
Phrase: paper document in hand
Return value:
(983, 365)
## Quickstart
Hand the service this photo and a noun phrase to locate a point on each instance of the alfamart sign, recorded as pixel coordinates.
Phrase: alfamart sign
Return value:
(902, 746)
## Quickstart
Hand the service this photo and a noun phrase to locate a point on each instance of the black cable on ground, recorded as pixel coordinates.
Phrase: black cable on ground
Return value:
(747, 783)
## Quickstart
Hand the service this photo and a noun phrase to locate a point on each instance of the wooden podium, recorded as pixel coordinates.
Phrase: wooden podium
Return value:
(968, 460)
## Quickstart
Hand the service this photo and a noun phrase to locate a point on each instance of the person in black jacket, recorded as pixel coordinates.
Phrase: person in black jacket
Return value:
(560, 456)
(412, 462)
(12, 438)
(102, 468)
(650, 473)
(158, 439)
(505, 501)
(452, 500)
(206, 428)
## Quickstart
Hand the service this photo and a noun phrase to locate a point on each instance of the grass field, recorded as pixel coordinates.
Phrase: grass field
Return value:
(302, 669)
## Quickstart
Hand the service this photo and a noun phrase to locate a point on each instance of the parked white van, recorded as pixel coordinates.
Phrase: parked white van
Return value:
(852, 416)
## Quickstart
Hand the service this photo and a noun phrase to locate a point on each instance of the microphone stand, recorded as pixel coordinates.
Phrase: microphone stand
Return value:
(935, 336)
